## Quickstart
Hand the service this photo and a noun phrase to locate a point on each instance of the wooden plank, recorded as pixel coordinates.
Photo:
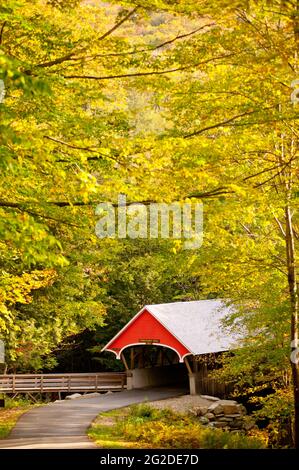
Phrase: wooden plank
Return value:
(81, 374)
(123, 382)
(61, 382)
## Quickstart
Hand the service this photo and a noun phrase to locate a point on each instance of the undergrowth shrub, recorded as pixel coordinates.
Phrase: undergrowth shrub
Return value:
(168, 429)
(17, 402)
(277, 411)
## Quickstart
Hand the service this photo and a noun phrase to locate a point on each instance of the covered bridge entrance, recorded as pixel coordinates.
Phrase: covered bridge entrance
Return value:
(168, 344)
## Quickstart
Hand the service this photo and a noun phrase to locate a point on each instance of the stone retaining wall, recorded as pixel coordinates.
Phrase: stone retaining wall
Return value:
(225, 414)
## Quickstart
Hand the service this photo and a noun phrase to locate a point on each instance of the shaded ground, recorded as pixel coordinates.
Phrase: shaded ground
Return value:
(63, 424)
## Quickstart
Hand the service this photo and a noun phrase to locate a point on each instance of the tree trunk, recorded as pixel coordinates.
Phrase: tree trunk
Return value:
(292, 281)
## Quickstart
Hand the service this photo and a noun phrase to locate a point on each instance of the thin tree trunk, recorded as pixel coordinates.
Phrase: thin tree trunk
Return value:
(291, 266)
(292, 281)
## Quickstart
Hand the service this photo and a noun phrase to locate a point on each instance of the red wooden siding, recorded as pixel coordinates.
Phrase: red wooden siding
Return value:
(146, 328)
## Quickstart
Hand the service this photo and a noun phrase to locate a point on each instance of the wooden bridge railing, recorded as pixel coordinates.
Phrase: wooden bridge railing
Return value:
(39, 383)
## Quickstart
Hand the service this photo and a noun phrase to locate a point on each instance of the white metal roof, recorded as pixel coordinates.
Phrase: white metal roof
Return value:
(198, 324)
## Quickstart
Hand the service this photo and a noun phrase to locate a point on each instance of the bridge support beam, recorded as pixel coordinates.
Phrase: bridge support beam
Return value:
(130, 384)
(193, 384)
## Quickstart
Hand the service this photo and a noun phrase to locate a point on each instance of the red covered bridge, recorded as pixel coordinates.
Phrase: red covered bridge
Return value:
(171, 344)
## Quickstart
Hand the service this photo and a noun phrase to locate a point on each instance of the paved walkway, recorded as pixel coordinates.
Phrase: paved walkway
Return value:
(62, 425)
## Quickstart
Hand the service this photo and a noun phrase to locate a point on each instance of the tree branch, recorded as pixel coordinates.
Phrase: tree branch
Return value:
(247, 230)
(180, 36)
(153, 72)
(282, 231)
(117, 25)
(22, 205)
(85, 149)
(148, 49)
(218, 124)
(70, 56)
(127, 75)
(1, 31)
(282, 168)
(89, 149)
(58, 61)
(47, 217)
(213, 193)
(261, 172)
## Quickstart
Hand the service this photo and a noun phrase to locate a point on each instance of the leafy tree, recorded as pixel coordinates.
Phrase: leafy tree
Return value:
(102, 102)
(68, 143)
(232, 141)
(139, 273)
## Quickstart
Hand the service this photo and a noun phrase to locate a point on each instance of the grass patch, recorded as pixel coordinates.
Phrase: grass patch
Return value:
(143, 426)
(106, 433)
(11, 413)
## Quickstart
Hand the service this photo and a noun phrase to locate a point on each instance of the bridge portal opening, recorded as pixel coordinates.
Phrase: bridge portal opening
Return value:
(154, 366)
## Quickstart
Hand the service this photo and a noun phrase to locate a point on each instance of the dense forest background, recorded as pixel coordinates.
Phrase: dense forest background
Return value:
(162, 101)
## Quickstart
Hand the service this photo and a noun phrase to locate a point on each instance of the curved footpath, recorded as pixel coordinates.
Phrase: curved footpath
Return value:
(63, 425)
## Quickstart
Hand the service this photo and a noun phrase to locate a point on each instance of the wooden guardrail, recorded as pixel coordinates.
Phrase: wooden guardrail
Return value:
(39, 383)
